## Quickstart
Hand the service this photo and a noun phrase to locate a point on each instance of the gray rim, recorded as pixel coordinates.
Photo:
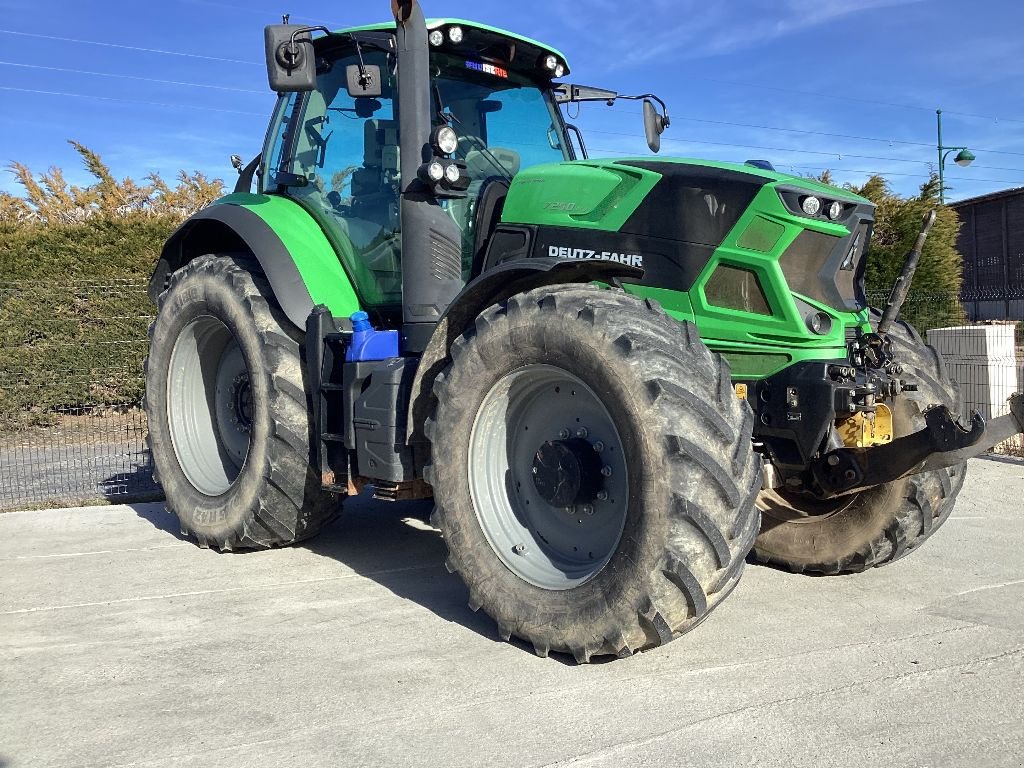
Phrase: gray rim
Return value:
(555, 548)
(209, 405)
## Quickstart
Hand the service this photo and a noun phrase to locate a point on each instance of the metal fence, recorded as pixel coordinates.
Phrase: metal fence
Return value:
(72, 429)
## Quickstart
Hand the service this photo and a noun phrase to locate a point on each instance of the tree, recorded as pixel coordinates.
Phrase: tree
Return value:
(934, 293)
(49, 199)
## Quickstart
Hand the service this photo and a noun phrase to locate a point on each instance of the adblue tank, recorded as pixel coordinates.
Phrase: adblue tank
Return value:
(368, 344)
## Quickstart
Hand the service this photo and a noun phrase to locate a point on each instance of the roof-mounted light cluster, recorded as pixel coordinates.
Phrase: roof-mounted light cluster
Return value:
(453, 34)
(551, 64)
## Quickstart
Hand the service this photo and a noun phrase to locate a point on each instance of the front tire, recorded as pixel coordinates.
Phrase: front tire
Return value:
(879, 525)
(229, 417)
(644, 527)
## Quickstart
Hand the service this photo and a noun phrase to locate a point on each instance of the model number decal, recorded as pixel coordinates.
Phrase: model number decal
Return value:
(630, 259)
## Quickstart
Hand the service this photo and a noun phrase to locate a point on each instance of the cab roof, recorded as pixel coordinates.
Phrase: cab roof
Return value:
(438, 23)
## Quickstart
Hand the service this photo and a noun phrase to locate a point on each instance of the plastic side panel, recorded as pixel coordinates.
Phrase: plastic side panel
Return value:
(577, 194)
(309, 248)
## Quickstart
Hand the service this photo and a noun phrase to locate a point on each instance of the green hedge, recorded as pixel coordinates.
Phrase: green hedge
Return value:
(74, 313)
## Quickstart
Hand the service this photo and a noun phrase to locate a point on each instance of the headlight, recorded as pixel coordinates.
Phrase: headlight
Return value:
(820, 323)
(446, 141)
(550, 63)
(452, 173)
(835, 210)
(811, 205)
(559, 71)
(435, 171)
(455, 35)
(436, 38)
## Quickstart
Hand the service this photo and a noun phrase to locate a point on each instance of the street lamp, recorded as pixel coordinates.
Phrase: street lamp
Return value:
(963, 158)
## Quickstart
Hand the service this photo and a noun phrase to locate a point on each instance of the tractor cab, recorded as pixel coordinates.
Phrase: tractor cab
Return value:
(336, 149)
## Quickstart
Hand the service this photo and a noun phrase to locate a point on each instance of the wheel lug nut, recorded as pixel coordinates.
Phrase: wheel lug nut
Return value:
(563, 435)
(606, 471)
(602, 495)
(582, 433)
(599, 446)
(588, 509)
(519, 549)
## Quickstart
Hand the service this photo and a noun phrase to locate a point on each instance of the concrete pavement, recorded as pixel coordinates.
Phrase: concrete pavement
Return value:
(121, 644)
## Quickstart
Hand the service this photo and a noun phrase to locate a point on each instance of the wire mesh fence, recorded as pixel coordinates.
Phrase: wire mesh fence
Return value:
(72, 429)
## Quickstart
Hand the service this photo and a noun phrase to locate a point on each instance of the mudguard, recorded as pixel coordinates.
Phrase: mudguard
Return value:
(495, 285)
(295, 255)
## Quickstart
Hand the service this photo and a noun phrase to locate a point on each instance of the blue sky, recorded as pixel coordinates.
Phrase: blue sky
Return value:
(849, 85)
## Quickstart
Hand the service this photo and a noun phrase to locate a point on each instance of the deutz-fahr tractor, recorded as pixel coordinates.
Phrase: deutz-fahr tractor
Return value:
(615, 378)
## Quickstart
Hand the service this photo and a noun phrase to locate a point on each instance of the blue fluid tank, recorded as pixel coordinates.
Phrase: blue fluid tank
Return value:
(368, 344)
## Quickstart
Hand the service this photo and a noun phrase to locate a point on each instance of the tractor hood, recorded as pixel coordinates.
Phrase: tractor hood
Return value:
(681, 220)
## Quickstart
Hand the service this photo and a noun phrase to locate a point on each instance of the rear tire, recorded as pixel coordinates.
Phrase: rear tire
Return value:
(667, 542)
(228, 412)
(880, 525)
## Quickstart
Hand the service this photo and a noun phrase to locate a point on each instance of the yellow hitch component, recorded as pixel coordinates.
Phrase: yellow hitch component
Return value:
(741, 391)
(863, 430)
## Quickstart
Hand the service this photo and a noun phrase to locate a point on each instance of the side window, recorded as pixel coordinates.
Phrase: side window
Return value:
(347, 150)
(273, 146)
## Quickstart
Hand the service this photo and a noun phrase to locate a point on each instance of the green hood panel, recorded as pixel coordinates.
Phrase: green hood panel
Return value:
(603, 194)
(589, 195)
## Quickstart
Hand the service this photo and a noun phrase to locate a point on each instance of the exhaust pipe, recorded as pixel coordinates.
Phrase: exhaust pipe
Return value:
(901, 287)
(431, 240)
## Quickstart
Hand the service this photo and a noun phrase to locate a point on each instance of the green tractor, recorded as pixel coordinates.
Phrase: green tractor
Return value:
(615, 378)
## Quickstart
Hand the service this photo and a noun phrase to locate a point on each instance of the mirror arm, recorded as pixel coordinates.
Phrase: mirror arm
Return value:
(573, 94)
(652, 97)
(245, 175)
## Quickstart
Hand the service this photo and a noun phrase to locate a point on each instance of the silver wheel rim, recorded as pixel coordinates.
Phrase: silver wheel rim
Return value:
(549, 546)
(209, 405)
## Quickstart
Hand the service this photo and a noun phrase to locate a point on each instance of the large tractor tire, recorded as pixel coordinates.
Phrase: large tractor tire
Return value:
(593, 473)
(228, 412)
(880, 525)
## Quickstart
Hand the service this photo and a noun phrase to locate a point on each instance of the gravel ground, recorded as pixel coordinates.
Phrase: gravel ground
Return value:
(121, 644)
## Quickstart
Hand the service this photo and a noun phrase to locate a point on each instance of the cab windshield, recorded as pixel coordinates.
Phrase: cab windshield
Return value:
(505, 122)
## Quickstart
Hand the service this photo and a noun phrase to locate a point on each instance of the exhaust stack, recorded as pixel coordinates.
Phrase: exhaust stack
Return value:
(431, 240)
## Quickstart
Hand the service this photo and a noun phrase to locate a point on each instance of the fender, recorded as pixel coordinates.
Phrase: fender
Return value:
(295, 255)
(497, 284)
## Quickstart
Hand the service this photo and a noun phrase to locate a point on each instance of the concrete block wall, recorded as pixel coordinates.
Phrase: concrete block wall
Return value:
(983, 359)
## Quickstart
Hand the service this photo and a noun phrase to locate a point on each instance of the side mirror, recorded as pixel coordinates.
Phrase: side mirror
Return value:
(654, 125)
(363, 81)
(291, 62)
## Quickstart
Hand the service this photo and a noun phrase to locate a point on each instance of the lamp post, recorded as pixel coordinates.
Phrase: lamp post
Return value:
(963, 158)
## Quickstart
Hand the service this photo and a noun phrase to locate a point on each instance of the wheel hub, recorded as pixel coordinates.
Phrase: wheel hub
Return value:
(567, 472)
(549, 478)
(240, 401)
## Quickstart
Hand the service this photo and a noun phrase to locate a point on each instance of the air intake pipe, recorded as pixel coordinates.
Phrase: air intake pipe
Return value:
(431, 240)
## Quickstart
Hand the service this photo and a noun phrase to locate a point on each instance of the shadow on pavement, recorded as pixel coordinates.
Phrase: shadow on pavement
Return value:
(394, 545)
(155, 514)
(389, 543)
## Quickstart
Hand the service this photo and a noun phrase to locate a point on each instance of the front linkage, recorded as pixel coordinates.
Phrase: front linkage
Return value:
(852, 401)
